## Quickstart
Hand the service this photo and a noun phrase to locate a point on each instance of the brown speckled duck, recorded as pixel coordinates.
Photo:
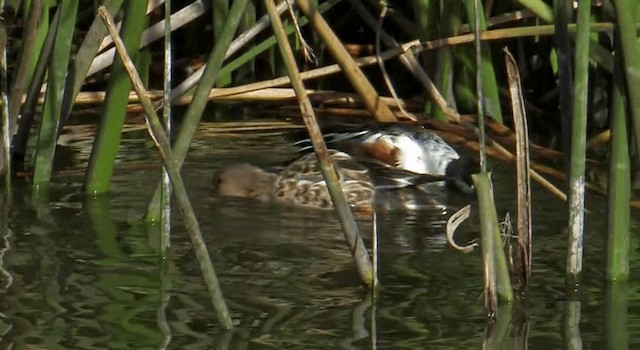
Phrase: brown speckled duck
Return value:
(300, 183)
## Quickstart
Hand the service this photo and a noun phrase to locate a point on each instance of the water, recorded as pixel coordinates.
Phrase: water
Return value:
(84, 273)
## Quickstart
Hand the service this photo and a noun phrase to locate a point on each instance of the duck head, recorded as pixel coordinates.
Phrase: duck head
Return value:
(243, 180)
(459, 173)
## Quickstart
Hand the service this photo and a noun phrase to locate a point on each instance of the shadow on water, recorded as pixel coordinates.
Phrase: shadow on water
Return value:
(84, 273)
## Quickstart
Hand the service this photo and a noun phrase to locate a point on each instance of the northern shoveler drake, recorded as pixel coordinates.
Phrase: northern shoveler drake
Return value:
(300, 183)
(406, 147)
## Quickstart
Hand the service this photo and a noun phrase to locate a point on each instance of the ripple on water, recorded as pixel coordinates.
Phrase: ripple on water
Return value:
(85, 273)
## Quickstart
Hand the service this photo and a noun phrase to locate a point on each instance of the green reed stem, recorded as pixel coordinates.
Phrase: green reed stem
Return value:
(426, 14)
(562, 16)
(192, 117)
(106, 230)
(491, 98)
(24, 70)
(619, 188)
(578, 144)
(540, 8)
(114, 109)
(248, 70)
(220, 11)
(628, 37)
(58, 68)
(182, 199)
(616, 321)
(83, 59)
(39, 71)
(347, 222)
(449, 26)
(497, 282)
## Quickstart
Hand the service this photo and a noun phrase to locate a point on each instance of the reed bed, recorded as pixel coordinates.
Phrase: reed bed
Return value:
(448, 77)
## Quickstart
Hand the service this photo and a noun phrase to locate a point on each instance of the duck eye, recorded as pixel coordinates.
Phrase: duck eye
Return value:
(217, 182)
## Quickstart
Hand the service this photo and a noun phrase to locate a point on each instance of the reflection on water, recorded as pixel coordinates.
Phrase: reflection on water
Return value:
(84, 273)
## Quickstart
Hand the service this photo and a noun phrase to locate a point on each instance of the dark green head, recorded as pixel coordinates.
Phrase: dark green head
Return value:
(459, 173)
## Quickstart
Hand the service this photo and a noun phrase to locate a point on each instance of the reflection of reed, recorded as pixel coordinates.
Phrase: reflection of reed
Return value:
(6, 233)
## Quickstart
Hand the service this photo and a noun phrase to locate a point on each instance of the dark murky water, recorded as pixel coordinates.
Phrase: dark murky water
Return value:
(85, 274)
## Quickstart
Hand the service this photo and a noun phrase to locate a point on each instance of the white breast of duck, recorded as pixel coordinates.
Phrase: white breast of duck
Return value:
(403, 146)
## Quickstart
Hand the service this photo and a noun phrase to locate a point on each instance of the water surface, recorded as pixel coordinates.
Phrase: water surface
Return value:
(84, 273)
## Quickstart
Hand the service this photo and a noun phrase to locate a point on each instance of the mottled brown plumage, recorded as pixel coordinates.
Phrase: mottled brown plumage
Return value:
(300, 184)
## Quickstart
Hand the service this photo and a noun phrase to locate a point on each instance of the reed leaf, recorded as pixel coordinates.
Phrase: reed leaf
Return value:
(58, 67)
(105, 145)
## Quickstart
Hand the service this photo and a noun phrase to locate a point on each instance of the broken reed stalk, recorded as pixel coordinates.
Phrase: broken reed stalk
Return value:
(578, 148)
(522, 262)
(496, 269)
(347, 222)
(484, 192)
(487, 243)
(162, 142)
(496, 273)
(361, 84)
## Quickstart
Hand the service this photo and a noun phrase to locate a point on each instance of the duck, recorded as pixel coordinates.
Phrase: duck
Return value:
(300, 183)
(408, 148)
